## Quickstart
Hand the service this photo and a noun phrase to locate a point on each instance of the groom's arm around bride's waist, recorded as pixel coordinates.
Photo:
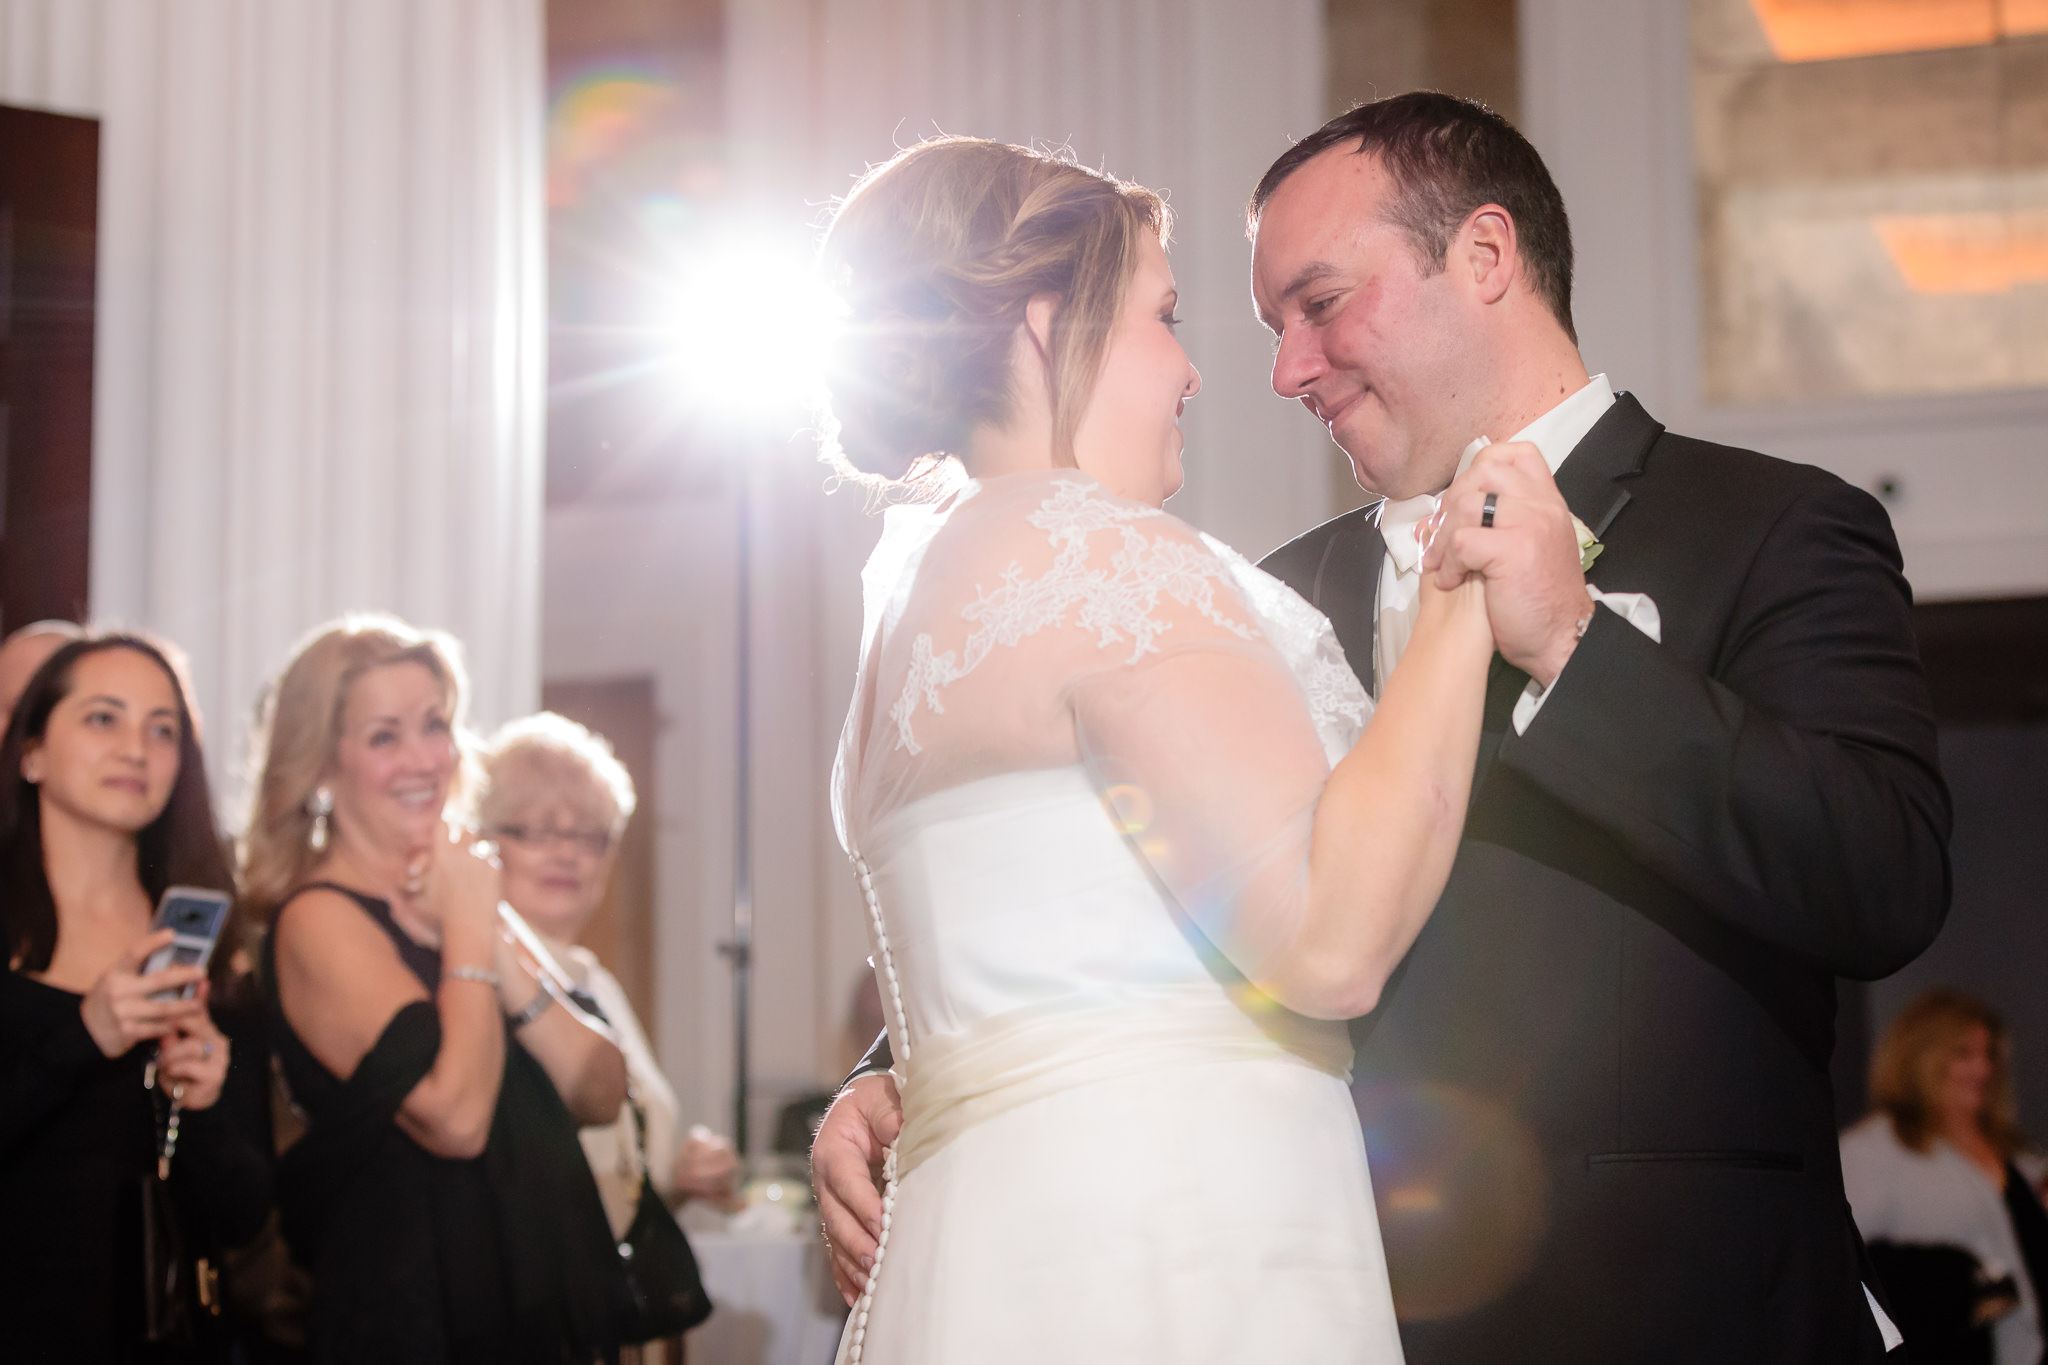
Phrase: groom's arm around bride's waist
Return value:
(1774, 758)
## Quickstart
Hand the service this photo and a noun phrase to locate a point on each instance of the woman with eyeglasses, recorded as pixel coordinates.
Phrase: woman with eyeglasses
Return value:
(439, 1195)
(556, 801)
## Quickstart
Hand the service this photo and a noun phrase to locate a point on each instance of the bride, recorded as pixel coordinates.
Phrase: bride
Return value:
(1128, 850)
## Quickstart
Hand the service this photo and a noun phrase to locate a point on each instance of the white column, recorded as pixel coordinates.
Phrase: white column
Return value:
(320, 367)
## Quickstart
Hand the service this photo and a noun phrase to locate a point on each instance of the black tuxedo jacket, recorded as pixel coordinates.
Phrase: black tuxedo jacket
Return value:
(1596, 1091)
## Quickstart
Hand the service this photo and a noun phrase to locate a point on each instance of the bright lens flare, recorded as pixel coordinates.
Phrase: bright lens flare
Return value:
(752, 327)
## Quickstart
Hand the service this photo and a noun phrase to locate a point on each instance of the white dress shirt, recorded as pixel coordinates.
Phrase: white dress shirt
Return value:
(1555, 435)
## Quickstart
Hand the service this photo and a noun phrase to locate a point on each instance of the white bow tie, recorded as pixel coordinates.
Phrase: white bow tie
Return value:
(1400, 520)
(1398, 524)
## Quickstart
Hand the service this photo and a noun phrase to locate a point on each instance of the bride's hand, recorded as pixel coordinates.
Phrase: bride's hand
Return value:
(1505, 518)
(1462, 607)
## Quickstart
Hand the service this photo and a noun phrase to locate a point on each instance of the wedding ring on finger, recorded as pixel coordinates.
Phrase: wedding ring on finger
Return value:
(1486, 509)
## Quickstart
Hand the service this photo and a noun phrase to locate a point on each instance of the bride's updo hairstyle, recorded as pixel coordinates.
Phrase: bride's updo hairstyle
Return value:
(935, 254)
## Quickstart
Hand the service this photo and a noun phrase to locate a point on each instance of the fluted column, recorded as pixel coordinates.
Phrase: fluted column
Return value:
(320, 372)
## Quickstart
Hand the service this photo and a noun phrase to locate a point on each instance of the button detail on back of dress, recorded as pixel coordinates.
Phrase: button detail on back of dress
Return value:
(901, 1044)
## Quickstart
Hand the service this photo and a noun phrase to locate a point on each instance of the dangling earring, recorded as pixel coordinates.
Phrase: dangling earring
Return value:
(321, 804)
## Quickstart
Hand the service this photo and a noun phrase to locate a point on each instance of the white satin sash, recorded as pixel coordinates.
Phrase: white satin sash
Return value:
(959, 1080)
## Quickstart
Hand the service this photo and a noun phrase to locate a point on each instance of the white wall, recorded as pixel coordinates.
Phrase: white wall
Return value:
(1194, 98)
(318, 368)
(1606, 94)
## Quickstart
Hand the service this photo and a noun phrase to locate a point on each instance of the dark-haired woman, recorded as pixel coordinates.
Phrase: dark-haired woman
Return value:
(103, 804)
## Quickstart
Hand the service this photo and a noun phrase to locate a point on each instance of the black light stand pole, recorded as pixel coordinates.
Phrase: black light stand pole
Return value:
(740, 949)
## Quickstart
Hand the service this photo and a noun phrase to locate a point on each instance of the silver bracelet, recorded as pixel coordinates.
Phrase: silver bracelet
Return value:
(484, 974)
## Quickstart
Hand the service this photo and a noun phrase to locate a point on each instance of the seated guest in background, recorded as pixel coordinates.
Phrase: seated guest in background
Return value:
(556, 801)
(25, 651)
(439, 1195)
(103, 804)
(1934, 1177)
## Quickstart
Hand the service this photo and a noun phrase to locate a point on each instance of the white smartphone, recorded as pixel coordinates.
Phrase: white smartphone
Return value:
(196, 916)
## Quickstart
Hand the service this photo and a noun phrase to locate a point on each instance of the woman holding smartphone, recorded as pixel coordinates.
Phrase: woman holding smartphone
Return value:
(439, 1195)
(104, 804)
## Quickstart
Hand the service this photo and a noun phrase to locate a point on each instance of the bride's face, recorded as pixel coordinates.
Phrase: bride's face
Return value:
(1129, 435)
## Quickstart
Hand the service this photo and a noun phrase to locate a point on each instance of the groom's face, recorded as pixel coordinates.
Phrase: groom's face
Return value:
(1369, 340)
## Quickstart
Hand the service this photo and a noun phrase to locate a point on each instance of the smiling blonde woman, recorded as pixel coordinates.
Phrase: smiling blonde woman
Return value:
(439, 1195)
(1940, 1163)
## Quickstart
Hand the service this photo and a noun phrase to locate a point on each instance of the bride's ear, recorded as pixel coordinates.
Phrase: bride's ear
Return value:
(1031, 350)
(1038, 316)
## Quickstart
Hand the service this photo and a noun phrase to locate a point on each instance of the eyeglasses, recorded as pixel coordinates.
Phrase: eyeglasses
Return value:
(595, 842)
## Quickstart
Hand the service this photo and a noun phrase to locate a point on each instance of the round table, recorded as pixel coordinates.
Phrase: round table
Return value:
(773, 1302)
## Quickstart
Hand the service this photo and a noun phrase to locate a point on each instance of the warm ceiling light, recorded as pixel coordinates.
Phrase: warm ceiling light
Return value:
(1967, 253)
(1824, 30)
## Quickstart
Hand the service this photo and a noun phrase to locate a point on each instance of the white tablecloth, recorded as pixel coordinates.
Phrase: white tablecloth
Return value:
(772, 1297)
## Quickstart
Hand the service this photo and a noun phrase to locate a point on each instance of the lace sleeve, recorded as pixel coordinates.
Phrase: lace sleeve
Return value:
(1122, 605)
(989, 616)
(1212, 763)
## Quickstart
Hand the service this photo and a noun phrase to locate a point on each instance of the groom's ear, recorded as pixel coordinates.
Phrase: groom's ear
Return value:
(1485, 249)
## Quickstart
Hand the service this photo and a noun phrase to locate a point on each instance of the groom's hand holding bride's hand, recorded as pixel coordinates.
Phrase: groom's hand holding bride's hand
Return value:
(846, 1166)
(1536, 595)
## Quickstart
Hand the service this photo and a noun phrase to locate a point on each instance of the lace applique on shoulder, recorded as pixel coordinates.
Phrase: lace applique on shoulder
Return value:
(1338, 703)
(1117, 603)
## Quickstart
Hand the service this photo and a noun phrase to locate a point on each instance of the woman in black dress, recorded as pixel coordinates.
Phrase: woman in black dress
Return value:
(439, 1196)
(104, 803)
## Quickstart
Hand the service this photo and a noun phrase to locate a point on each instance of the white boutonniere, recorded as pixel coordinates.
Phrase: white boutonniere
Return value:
(1589, 548)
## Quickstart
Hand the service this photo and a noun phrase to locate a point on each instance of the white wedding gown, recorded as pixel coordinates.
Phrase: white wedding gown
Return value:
(1076, 785)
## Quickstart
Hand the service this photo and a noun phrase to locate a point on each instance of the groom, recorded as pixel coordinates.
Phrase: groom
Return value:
(1596, 1092)
(1597, 1089)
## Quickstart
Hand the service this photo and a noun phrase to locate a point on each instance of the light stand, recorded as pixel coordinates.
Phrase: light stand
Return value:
(747, 297)
(739, 949)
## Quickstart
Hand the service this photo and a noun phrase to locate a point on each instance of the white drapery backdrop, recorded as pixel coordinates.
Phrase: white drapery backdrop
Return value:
(319, 368)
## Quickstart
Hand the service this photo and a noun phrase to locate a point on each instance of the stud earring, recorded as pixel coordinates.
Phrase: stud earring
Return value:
(321, 805)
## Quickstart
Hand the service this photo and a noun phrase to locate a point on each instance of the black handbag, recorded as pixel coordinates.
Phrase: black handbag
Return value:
(167, 1275)
(666, 1295)
(177, 1290)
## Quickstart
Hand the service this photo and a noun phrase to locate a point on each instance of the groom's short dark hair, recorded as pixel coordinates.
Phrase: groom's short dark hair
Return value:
(1447, 156)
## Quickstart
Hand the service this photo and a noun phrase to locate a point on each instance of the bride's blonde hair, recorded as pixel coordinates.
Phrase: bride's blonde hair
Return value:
(936, 252)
